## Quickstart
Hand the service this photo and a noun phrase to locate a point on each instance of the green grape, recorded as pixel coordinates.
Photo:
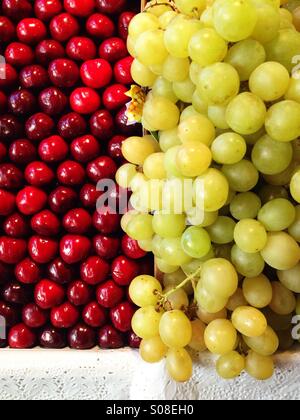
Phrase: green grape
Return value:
(209, 302)
(136, 149)
(218, 83)
(142, 290)
(179, 365)
(145, 322)
(146, 245)
(265, 345)
(231, 365)
(217, 115)
(258, 291)
(277, 215)
(150, 48)
(246, 113)
(150, 194)
(177, 196)
(157, 245)
(169, 139)
(236, 300)
(190, 268)
(207, 18)
(284, 48)
(209, 218)
(283, 178)
(164, 267)
(293, 92)
(125, 174)
(270, 192)
(141, 23)
(211, 190)
(207, 317)
(191, 7)
(291, 278)
(168, 225)
(245, 206)
(162, 113)
(295, 186)
(176, 69)
(249, 321)
(142, 75)
(153, 167)
(126, 218)
(199, 104)
(281, 251)
(170, 162)
(228, 148)
(153, 350)
(223, 251)
(170, 324)
(221, 232)
(197, 128)
(251, 139)
(157, 69)
(196, 242)
(158, 8)
(296, 150)
(130, 46)
(248, 265)
(195, 70)
(259, 367)
(163, 87)
(189, 111)
(242, 176)
(174, 279)
(137, 182)
(294, 229)
(173, 253)
(245, 56)
(140, 227)
(268, 23)
(269, 81)
(193, 159)
(276, 321)
(197, 342)
(283, 301)
(286, 340)
(207, 47)
(184, 90)
(137, 204)
(166, 18)
(250, 235)
(219, 278)
(178, 299)
(220, 336)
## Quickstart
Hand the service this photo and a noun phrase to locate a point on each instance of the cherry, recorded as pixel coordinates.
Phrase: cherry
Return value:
(49, 50)
(10, 78)
(52, 338)
(15, 292)
(34, 76)
(79, 8)
(7, 203)
(28, 272)
(21, 337)
(3, 107)
(109, 294)
(118, 197)
(42, 250)
(60, 272)
(74, 248)
(114, 147)
(16, 9)
(123, 23)
(12, 250)
(124, 270)
(121, 121)
(102, 125)
(79, 293)
(33, 316)
(10, 313)
(52, 101)
(10, 127)
(19, 55)
(85, 148)
(63, 72)
(22, 151)
(113, 49)
(106, 221)
(100, 26)
(64, 316)
(3, 152)
(81, 48)
(81, 337)
(47, 9)
(85, 100)
(89, 195)
(63, 27)
(111, 7)
(39, 174)
(114, 97)
(45, 223)
(70, 173)
(102, 168)
(146, 265)
(5, 273)
(133, 340)
(7, 30)
(94, 316)
(110, 338)
(121, 316)
(71, 125)
(10, 176)
(16, 226)
(48, 294)
(94, 270)
(122, 71)
(62, 199)
(131, 248)
(106, 247)
(31, 200)
(39, 126)
(53, 149)
(31, 31)
(96, 73)
(77, 221)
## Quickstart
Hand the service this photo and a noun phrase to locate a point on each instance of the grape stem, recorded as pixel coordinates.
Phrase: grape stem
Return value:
(155, 3)
(184, 282)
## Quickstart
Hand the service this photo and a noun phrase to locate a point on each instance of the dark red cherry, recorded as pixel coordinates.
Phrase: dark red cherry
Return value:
(16, 226)
(106, 221)
(124, 270)
(22, 152)
(33, 316)
(10, 128)
(47, 9)
(21, 337)
(63, 73)
(102, 125)
(81, 49)
(9, 76)
(70, 173)
(85, 148)
(77, 221)
(121, 316)
(52, 338)
(89, 195)
(74, 248)
(49, 50)
(60, 272)
(121, 121)
(10, 313)
(131, 248)
(28, 272)
(102, 168)
(96, 73)
(3, 106)
(71, 125)
(39, 174)
(39, 127)
(3, 152)
(122, 71)
(113, 49)
(123, 23)
(31, 200)
(34, 76)
(106, 247)
(79, 293)
(16, 293)
(85, 100)
(19, 55)
(12, 250)
(64, 316)
(52, 101)
(11, 177)
(7, 30)
(7, 203)
(111, 7)
(100, 26)
(94, 315)
(42, 250)
(133, 340)
(94, 270)
(110, 338)
(53, 149)
(62, 199)
(31, 31)
(114, 97)
(114, 147)
(79, 8)
(63, 27)
(45, 223)
(81, 337)
(109, 294)
(48, 294)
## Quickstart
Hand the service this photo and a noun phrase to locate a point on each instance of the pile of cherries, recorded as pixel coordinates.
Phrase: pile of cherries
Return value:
(64, 266)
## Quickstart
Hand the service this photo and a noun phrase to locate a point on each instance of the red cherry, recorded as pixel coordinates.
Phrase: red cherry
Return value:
(16, 226)
(19, 55)
(133, 340)
(3, 108)
(111, 7)
(64, 316)
(81, 48)
(53, 149)
(63, 73)
(17, 293)
(10, 128)
(146, 265)
(33, 316)
(110, 338)
(106, 247)
(31, 31)
(10, 176)
(106, 221)
(85, 148)
(70, 173)
(102, 125)
(28, 272)
(74, 248)
(124, 270)
(94, 316)
(12, 250)
(102, 168)
(22, 102)
(49, 50)
(122, 71)
(16, 9)
(45, 223)
(100, 26)
(109, 294)
(94, 270)
(96, 73)
(48, 294)
(77, 221)
(71, 125)
(113, 49)
(60, 272)
(52, 338)
(131, 248)
(34, 76)
(7, 29)
(89, 195)
(21, 337)
(39, 174)
(121, 316)
(114, 147)
(79, 8)
(123, 23)
(121, 121)
(22, 151)
(11, 76)
(39, 126)
(10, 313)
(42, 250)
(63, 27)
(47, 9)
(3, 152)
(7, 203)
(85, 100)
(79, 293)
(62, 199)
(52, 101)
(31, 200)
(114, 97)
(81, 337)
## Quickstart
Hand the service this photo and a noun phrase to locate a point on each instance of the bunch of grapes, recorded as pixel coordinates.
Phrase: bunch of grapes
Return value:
(216, 183)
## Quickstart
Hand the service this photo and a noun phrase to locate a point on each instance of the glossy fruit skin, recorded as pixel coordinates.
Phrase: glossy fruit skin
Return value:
(64, 316)
(70, 173)
(102, 125)
(10, 312)
(34, 77)
(39, 126)
(28, 272)
(31, 31)
(53, 149)
(71, 125)
(109, 294)
(11, 77)
(52, 338)
(100, 26)
(110, 338)
(46, 223)
(94, 270)
(21, 337)
(60, 272)
(63, 27)
(133, 340)
(22, 152)
(62, 199)
(131, 248)
(106, 247)
(114, 97)
(79, 8)
(42, 250)
(12, 250)
(122, 71)
(49, 50)
(121, 122)
(113, 49)
(7, 29)
(85, 148)
(79, 293)
(46, 9)
(33, 316)
(106, 221)
(48, 294)
(102, 168)
(7, 203)
(81, 49)
(39, 174)
(74, 248)
(114, 147)
(94, 315)
(16, 293)
(10, 128)
(121, 316)
(81, 337)
(31, 200)
(89, 195)
(63, 73)
(52, 101)
(85, 100)
(111, 7)
(16, 226)
(77, 221)
(124, 270)
(123, 23)
(11, 177)
(19, 55)
(96, 73)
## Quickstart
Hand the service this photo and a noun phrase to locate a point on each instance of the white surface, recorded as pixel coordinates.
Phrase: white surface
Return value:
(120, 374)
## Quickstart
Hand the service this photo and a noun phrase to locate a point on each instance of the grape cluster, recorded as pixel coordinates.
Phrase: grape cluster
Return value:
(223, 113)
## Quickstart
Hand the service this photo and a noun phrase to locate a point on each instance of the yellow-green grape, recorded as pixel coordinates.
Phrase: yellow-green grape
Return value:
(208, 218)
(193, 159)
(189, 111)
(143, 290)
(170, 163)
(251, 139)
(150, 195)
(270, 192)
(140, 227)
(223, 251)
(246, 113)
(249, 321)
(293, 92)
(190, 268)
(137, 149)
(178, 35)
(162, 87)
(236, 300)
(176, 69)
(284, 178)
(150, 48)
(265, 345)
(217, 115)
(296, 150)
(219, 278)
(283, 300)
(170, 324)
(209, 302)
(283, 121)
(194, 72)
(248, 265)
(137, 204)
(207, 47)
(169, 139)
(157, 69)
(173, 253)
(221, 232)
(228, 148)
(184, 90)
(141, 23)
(177, 196)
(258, 291)
(162, 113)
(220, 336)
(231, 365)
(168, 225)
(197, 342)
(126, 218)
(269, 81)
(218, 83)
(145, 322)
(137, 182)
(284, 48)
(199, 104)
(178, 299)
(153, 350)
(286, 340)
(157, 245)
(159, 7)
(250, 235)
(153, 167)
(294, 229)
(207, 317)
(245, 206)
(130, 46)
(281, 251)
(179, 365)
(242, 176)
(174, 279)
(125, 175)
(276, 321)
(268, 23)
(166, 18)
(196, 242)
(207, 18)
(245, 56)
(211, 190)
(191, 7)
(295, 186)
(165, 267)
(146, 245)
(141, 74)
(277, 215)
(259, 367)
(196, 128)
